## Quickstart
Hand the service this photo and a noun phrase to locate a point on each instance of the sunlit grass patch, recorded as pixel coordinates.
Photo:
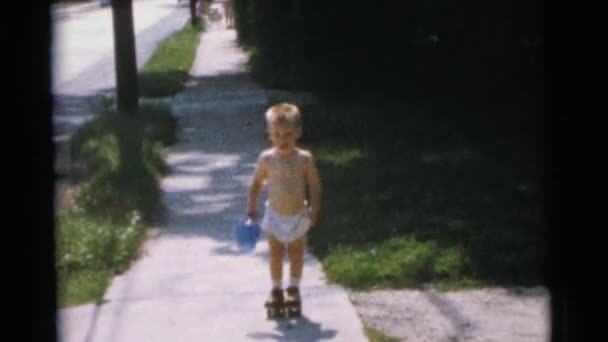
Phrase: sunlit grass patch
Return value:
(89, 251)
(167, 71)
(375, 335)
(339, 157)
(89, 243)
(451, 262)
(394, 263)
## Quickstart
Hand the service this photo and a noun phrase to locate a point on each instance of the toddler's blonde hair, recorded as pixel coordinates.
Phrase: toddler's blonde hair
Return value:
(284, 114)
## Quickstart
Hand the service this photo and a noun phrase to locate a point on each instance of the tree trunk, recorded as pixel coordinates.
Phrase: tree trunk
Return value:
(127, 92)
(194, 13)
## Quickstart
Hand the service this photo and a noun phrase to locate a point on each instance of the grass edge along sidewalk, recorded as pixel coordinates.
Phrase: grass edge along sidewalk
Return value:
(101, 231)
(167, 70)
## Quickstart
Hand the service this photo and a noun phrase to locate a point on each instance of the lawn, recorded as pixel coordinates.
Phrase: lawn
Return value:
(168, 69)
(426, 193)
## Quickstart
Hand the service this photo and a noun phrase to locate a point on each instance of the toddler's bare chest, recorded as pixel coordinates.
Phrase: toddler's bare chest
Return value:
(286, 168)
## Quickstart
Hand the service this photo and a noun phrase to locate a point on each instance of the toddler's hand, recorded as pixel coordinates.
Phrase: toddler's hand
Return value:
(252, 213)
(313, 218)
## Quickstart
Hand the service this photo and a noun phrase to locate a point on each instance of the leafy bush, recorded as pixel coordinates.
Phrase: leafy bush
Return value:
(123, 159)
(424, 52)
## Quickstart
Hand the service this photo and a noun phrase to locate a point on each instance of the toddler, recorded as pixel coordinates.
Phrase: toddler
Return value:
(291, 177)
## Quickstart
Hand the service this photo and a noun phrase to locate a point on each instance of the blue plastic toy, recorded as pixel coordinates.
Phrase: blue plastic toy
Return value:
(247, 235)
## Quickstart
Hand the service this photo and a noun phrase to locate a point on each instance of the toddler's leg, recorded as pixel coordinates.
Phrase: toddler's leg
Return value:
(295, 251)
(277, 253)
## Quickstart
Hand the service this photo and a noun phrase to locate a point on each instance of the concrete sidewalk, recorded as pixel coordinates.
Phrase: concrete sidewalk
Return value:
(191, 283)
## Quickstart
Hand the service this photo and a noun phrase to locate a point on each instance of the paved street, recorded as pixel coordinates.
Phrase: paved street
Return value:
(83, 44)
(83, 52)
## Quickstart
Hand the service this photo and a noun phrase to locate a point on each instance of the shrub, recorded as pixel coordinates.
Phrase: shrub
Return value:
(123, 159)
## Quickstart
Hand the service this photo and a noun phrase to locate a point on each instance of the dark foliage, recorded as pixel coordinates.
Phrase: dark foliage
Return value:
(400, 48)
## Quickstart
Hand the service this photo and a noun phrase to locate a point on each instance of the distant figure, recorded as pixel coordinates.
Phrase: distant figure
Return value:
(228, 13)
(215, 14)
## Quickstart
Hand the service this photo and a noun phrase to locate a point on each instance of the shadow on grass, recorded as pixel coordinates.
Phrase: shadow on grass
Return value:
(162, 84)
(460, 177)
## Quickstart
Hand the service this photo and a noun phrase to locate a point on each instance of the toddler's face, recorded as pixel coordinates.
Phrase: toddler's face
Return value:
(284, 137)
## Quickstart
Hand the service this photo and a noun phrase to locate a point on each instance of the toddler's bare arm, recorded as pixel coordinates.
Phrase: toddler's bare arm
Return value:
(314, 185)
(256, 187)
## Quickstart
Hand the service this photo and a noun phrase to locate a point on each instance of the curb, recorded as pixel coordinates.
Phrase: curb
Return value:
(77, 7)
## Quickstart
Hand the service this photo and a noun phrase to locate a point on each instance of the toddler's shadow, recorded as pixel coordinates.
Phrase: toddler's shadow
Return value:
(296, 329)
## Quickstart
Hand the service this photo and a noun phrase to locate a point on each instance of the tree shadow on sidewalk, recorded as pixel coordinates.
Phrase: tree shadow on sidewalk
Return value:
(222, 132)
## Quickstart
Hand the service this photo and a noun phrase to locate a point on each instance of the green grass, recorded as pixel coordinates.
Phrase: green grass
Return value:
(418, 194)
(167, 71)
(89, 251)
(396, 262)
(81, 287)
(122, 159)
(377, 336)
